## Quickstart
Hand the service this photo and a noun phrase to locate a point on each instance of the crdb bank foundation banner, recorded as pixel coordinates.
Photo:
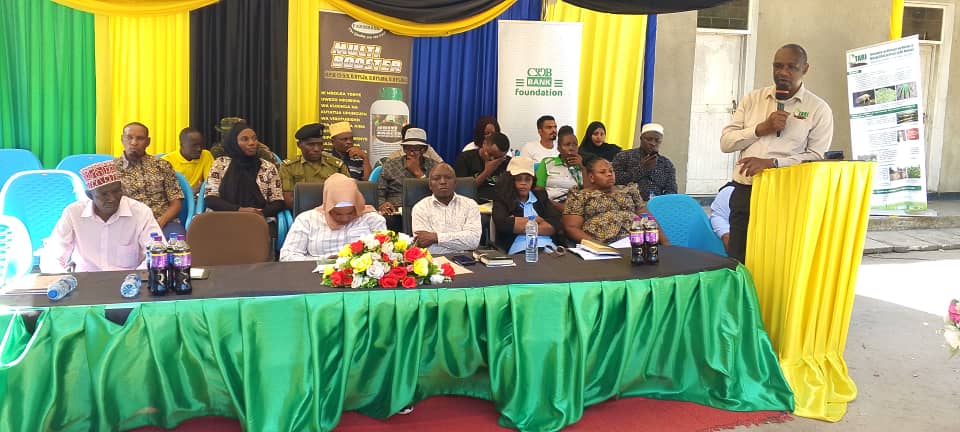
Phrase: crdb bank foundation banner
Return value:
(364, 79)
(538, 73)
(886, 122)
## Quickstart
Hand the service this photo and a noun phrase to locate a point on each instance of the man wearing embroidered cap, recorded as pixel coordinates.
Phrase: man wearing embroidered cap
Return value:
(108, 232)
(356, 160)
(653, 173)
(413, 164)
(312, 166)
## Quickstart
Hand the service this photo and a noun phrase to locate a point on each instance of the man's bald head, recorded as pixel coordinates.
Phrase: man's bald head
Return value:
(443, 182)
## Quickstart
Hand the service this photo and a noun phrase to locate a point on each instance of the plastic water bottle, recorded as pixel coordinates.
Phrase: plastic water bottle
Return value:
(157, 267)
(130, 287)
(182, 283)
(636, 241)
(532, 255)
(61, 287)
(651, 241)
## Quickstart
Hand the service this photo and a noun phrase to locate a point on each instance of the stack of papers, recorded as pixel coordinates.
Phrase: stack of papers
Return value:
(591, 251)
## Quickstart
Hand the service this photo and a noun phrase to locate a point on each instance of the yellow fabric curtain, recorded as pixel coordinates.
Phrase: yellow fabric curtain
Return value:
(611, 65)
(896, 20)
(808, 223)
(303, 58)
(138, 8)
(143, 74)
(410, 28)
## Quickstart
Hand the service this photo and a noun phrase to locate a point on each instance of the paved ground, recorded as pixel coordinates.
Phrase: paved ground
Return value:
(905, 380)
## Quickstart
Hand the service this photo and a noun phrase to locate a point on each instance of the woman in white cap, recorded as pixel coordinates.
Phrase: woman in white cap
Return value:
(343, 217)
(653, 173)
(516, 201)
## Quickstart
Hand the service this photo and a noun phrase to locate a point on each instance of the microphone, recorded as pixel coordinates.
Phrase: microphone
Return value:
(782, 94)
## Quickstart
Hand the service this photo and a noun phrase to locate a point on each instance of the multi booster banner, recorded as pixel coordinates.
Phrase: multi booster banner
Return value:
(365, 80)
(538, 73)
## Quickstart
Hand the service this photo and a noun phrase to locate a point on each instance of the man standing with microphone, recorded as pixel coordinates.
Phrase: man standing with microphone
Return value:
(774, 126)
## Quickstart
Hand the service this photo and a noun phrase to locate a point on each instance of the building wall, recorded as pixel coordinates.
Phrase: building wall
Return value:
(673, 87)
(950, 163)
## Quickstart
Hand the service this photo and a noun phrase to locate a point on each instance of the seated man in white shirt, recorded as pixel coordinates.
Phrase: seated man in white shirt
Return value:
(343, 217)
(720, 213)
(108, 232)
(546, 146)
(445, 222)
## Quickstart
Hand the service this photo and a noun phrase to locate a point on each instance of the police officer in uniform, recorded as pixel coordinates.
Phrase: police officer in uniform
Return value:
(312, 166)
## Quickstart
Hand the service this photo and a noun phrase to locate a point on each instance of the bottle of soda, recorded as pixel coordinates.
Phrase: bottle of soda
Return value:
(651, 241)
(531, 230)
(171, 247)
(636, 241)
(157, 267)
(182, 261)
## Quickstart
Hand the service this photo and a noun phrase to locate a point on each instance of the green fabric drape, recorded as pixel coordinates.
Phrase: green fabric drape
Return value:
(290, 363)
(47, 79)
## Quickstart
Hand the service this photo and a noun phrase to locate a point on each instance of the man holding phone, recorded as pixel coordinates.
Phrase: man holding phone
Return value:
(653, 173)
(445, 222)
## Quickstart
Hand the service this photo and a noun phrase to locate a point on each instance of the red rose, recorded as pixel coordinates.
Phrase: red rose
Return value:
(413, 254)
(356, 247)
(336, 278)
(447, 270)
(347, 281)
(381, 238)
(398, 272)
(385, 257)
(388, 281)
(348, 271)
(409, 282)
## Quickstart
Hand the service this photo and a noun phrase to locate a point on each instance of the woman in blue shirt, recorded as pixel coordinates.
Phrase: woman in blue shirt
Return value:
(516, 200)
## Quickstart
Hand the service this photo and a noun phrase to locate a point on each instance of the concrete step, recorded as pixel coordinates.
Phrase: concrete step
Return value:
(911, 240)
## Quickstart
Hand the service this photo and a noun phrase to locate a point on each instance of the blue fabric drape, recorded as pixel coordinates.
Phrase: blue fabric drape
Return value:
(649, 61)
(454, 81)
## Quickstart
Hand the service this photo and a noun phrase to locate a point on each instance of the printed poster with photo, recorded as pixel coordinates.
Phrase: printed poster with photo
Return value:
(364, 79)
(886, 123)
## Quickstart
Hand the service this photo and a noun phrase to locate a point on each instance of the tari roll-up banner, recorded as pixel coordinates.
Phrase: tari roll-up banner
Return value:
(886, 122)
(364, 79)
(533, 80)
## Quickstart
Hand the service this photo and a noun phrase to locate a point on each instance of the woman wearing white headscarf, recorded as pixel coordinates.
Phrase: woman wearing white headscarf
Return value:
(343, 217)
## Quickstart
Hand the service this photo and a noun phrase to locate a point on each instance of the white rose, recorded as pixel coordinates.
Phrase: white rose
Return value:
(952, 335)
(376, 270)
(342, 261)
(437, 279)
(371, 243)
(406, 238)
(386, 247)
(358, 281)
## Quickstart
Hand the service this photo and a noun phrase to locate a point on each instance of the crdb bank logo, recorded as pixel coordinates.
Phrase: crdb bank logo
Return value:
(365, 31)
(539, 81)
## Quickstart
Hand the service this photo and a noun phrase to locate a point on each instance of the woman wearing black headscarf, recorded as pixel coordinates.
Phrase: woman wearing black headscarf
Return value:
(594, 142)
(241, 181)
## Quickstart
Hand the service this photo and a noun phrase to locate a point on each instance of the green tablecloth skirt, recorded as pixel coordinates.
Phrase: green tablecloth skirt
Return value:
(541, 353)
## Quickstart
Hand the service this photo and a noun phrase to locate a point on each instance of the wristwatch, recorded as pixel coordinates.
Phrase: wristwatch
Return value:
(776, 163)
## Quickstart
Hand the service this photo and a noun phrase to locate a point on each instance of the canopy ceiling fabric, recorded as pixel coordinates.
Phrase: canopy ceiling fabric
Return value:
(135, 8)
(427, 11)
(412, 28)
(644, 7)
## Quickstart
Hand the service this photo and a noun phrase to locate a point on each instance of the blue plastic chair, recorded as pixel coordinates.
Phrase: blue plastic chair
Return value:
(685, 223)
(284, 222)
(200, 205)
(37, 198)
(74, 163)
(375, 174)
(16, 257)
(13, 161)
(188, 208)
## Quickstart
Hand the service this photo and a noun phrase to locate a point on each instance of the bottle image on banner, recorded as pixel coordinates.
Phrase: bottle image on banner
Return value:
(388, 115)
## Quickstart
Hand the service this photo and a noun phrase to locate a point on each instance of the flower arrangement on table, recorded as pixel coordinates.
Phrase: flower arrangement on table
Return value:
(385, 259)
(951, 327)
